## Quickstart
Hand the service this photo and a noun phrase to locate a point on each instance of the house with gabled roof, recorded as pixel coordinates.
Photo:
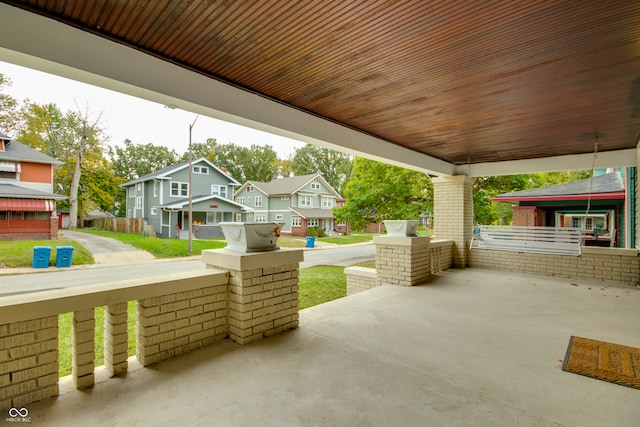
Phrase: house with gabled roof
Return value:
(27, 200)
(161, 198)
(598, 205)
(299, 202)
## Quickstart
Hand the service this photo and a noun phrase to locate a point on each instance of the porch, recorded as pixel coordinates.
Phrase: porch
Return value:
(472, 347)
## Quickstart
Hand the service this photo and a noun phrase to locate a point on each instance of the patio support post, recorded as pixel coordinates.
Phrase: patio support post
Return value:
(263, 291)
(453, 213)
(83, 348)
(116, 339)
(402, 261)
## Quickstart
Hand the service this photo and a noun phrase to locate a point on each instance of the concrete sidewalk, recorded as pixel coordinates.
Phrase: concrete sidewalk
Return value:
(472, 348)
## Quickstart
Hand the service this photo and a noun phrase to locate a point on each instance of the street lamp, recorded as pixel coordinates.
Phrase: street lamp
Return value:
(190, 187)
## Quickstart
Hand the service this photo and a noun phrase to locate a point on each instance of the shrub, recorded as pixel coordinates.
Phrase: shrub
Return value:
(312, 231)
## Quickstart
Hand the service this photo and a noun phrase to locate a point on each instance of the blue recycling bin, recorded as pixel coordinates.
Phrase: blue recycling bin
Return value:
(311, 241)
(64, 254)
(41, 256)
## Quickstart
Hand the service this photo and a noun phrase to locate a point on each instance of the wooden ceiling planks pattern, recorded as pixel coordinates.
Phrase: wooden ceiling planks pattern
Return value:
(458, 80)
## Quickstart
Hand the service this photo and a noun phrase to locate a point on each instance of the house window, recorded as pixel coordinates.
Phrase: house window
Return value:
(128, 213)
(306, 201)
(249, 189)
(203, 170)
(315, 186)
(8, 175)
(296, 222)
(240, 200)
(179, 189)
(219, 190)
(575, 222)
(248, 199)
(139, 202)
(261, 218)
(312, 222)
(155, 188)
(588, 223)
(154, 211)
(327, 202)
(284, 197)
(139, 187)
(212, 218)
(132, 191)
(258, 201)
(279, 217)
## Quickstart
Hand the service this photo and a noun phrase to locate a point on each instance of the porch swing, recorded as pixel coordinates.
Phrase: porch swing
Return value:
(533, 239)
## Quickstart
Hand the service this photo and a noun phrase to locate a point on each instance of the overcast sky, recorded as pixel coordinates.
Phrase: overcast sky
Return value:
(127, 117)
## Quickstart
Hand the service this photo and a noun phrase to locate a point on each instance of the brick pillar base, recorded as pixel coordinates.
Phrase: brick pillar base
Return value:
(403, 261)
(83, 348)
(28, 362)
(116, 343)
(263, 291)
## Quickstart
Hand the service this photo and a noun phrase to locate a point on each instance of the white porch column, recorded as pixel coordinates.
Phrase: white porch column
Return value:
(453, 213)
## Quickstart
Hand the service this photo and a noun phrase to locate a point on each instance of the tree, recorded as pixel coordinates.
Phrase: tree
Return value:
(71, 138)
(202, 149)
(335, 167)
(378, 191)
(8, 108)
(258, 163)
(135, 160)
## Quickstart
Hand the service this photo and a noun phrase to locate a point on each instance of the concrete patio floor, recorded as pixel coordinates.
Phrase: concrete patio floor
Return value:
(473, 347)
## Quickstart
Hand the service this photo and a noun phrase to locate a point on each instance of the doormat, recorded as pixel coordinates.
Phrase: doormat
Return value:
(614, 363)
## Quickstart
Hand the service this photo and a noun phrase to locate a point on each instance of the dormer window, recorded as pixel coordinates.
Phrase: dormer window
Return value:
(9, 170)
(204, 170)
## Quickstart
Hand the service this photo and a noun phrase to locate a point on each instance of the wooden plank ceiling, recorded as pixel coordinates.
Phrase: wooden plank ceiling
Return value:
(462, 81)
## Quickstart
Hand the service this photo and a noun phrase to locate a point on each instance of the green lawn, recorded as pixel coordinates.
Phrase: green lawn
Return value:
(161, 248)
(321, 284)
(20, 253)
(349, 239)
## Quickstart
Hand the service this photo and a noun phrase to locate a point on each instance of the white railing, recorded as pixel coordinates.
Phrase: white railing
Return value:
(547, 240)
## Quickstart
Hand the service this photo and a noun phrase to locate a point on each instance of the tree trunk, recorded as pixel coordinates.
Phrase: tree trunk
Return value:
(75, 180)
(73, 194)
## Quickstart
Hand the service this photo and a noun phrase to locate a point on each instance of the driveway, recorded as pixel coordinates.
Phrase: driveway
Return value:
(107, 251)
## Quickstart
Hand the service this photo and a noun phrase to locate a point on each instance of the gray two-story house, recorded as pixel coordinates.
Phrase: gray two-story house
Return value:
(161, 198)
(299, 202)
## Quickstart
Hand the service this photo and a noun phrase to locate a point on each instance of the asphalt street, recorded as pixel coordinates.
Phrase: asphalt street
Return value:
(51, 278)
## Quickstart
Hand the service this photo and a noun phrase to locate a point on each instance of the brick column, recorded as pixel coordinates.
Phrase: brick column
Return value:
(28, 362)
(53, 227)
(83, 348)
(116, 339)
(263, 291)
(403, 261)
(453, 214)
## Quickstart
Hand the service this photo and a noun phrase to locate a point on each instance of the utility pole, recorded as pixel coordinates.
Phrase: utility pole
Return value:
(190, 187)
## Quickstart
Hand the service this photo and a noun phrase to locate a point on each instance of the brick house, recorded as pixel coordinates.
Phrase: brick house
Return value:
(27, 201)
(606, 222)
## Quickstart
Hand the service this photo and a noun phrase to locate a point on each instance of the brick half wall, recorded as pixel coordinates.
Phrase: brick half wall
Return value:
(607, 264)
